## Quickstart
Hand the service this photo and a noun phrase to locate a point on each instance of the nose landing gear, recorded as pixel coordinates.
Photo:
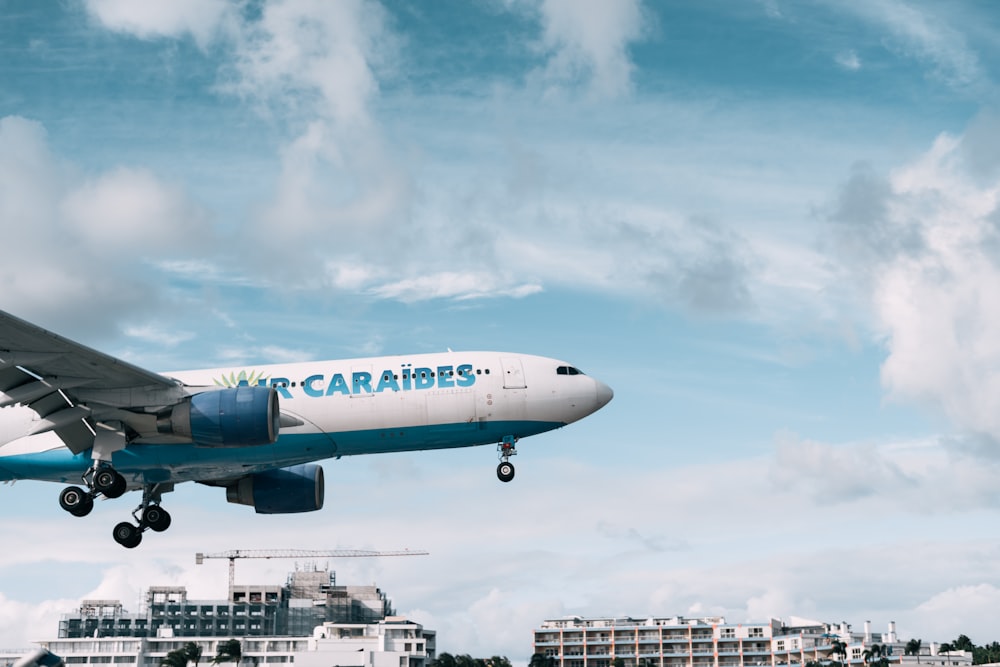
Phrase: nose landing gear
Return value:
(506, 449)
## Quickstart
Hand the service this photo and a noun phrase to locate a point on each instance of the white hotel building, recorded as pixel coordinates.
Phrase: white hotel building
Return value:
(308, 622)
(711, 642)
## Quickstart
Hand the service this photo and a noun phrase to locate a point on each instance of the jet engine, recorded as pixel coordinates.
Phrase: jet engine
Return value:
(232, 417)
(280, 491)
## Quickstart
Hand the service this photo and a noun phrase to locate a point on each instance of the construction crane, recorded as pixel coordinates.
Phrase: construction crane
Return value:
(232, 555)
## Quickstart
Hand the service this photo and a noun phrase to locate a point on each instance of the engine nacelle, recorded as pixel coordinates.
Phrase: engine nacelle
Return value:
(281, 491)
(233, 417)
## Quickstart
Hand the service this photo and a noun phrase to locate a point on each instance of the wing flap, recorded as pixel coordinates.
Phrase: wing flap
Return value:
(43, 370)
(50, 355)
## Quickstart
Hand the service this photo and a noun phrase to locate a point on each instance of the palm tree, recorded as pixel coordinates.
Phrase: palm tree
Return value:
(228, 651)
(913, 648)
(946, 648)
(874, 657)
(963, 643)
(176, 658)
(192, 652)
(839, 648)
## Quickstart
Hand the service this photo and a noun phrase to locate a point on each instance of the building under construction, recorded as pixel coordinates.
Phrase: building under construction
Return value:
(309, 598)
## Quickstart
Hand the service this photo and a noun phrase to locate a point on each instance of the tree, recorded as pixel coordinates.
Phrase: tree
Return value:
(946, 648)
(444, 660)
(875, 656)
(839, 648)
(987, 653)
(192, 652)
(229, 651)
(176, 658)
(913, 648)
(963, 643)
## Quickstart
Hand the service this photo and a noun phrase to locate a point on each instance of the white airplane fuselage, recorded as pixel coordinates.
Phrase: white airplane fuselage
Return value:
(337, 408)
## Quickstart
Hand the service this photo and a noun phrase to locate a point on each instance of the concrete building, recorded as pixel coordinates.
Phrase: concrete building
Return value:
(390, 642)
(309, 621)
(711, 642)
(310, 597)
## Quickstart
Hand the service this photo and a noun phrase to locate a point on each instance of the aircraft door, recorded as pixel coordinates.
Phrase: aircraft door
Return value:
(513, 373)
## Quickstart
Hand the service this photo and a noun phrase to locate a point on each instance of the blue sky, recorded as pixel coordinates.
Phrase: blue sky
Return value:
(771, 227)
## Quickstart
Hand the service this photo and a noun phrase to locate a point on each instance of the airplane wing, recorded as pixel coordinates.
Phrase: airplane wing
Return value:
(54, 376)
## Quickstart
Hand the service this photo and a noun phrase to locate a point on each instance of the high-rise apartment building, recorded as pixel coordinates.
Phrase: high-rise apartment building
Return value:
(712, 642)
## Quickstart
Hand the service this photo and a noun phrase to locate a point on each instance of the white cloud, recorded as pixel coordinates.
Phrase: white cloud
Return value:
(937, 297)
(453, 285)
(962, 610)
(916, 33)
(85, 243)
(849, 60)
(587, 42)
(153, 334)
(130, 210)
(202, 19)
(317, 57)
(834, 474)
(20, 620)
(933, 476)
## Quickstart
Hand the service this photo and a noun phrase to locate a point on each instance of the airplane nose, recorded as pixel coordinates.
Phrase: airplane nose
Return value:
(604, 394)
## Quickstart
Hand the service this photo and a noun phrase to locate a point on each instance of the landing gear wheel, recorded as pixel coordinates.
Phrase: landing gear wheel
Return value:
(110, 483)
(76, 501)
(505, 471)
(156, 518)
(127, 535)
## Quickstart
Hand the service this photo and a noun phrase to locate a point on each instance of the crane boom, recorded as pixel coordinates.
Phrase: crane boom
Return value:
(233, 554)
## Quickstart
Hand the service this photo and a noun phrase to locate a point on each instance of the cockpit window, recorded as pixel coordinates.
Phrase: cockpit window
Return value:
(568, 370)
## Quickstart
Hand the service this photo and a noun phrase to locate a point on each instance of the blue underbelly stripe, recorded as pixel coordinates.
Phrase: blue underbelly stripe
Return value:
(181, 463)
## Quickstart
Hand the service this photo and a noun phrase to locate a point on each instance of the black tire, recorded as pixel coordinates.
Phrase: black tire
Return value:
(156, 518)
(505, 471)
(127, 535)
(110, 483)
(85, 509)
(76, 501)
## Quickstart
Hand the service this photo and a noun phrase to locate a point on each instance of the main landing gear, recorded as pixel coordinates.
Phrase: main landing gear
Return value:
(506, 449)
(102, 479)
(148, 515)
(99, 479)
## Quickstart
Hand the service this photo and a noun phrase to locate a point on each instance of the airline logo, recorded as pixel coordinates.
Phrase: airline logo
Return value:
(406, 378)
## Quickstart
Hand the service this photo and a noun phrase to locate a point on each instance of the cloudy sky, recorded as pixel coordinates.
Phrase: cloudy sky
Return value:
(771, 226)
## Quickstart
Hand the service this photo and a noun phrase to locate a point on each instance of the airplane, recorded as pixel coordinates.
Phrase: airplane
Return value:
(69, 412)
